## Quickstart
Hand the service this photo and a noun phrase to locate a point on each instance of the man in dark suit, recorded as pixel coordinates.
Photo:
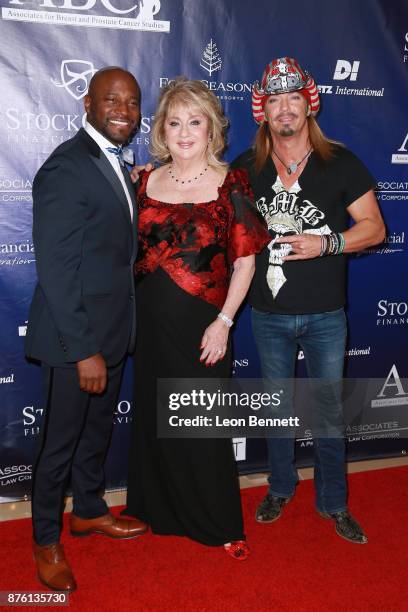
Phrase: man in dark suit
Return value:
(82, 317)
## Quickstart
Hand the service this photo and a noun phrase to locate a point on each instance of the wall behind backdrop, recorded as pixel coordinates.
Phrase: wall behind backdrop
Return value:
(357, 51)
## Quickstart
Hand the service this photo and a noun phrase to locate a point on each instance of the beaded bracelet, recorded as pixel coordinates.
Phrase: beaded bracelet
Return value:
(342, 243)
(332, 244)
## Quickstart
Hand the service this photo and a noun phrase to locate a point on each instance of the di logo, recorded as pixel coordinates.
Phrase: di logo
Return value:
(346, 70)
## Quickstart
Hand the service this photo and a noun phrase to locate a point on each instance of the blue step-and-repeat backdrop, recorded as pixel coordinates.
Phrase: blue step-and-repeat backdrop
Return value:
(357, 51)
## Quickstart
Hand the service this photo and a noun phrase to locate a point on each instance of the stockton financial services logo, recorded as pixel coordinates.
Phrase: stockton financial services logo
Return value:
(75, 76)
(32, 416)
(123, 413)
(12, 474)
(348, 70)
(26, 127)
(392, 313)
(392, 393)
(401, 157)
(31, 421)
(114, 14)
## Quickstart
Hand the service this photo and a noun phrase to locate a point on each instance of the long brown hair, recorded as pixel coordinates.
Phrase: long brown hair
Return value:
(322, 146)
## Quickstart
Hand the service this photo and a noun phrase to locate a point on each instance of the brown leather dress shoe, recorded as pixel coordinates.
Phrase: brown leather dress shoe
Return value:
(109, 525)
(52, 567)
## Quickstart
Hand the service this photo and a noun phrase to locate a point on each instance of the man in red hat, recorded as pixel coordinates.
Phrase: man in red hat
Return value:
(306, 187)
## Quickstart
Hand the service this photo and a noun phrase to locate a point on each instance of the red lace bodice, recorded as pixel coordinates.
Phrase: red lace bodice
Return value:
(196, 244)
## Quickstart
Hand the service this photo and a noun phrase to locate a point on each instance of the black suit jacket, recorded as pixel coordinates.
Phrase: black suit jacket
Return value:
(85, 246)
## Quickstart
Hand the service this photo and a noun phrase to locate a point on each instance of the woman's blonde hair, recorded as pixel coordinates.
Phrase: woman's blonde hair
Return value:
(323, 147)
(190, 93)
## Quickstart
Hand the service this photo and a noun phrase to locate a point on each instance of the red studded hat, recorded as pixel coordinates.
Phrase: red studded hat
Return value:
(283, 75)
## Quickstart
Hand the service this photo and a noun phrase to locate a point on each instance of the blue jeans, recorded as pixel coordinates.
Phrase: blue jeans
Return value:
(322, 337)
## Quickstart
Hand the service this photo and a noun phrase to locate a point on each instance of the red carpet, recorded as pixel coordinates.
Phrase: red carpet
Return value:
(297, 564)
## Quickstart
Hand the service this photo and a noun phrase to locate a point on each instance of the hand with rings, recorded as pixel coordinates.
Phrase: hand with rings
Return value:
(304, 246)
(214, 343)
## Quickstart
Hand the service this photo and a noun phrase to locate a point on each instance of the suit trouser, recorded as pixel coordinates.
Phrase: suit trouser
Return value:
(73, 442)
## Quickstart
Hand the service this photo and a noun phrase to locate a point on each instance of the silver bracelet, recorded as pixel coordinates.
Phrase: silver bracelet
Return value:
(228, 322)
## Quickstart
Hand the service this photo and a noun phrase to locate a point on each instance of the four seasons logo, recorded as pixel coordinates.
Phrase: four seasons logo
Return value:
(210, 59)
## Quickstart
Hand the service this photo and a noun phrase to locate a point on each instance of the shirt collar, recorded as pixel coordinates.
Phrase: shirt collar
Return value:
(99, 138)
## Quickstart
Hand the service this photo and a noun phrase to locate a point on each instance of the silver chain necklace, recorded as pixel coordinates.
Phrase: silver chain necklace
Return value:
(294, 165)
(195, 178)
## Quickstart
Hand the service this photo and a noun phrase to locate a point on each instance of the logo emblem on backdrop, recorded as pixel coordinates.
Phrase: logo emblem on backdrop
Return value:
(402, 156)
(22, 329)
(239, 445)
(393, 190)
(7, 380)
(392, 392)
(210, 59)
(345, 70)
(75, 77)
(147, 9)
(137, 15)
(392, 313)
(211, 62)
(11, 474)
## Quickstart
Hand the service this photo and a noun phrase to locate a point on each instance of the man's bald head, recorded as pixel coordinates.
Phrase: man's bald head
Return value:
(106, 72)
(112, 103)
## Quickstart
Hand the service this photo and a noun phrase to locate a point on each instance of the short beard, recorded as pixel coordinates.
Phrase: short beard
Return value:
(286, 131)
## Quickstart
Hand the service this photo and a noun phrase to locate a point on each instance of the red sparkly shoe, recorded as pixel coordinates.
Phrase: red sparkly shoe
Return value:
(238, 550)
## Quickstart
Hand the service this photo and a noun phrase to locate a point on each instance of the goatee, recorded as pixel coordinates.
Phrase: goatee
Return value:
(286, 131)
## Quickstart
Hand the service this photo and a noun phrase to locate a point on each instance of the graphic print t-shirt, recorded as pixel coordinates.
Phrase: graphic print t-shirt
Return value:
(315, 204)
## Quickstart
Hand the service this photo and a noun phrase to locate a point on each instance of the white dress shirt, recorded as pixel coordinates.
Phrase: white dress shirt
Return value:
(103, 143)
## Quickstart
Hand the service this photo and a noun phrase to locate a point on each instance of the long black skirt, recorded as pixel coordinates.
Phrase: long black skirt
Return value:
(185, 487)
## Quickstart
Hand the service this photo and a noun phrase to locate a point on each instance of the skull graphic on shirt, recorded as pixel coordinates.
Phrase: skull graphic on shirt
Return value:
(287, 215)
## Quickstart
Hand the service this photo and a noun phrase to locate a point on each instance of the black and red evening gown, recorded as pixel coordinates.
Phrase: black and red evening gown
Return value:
(185, 487)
